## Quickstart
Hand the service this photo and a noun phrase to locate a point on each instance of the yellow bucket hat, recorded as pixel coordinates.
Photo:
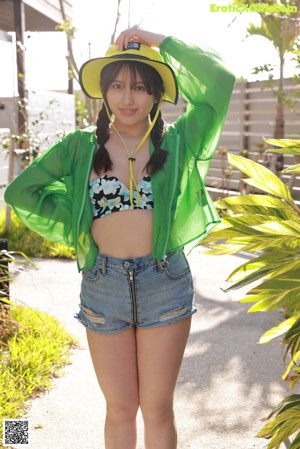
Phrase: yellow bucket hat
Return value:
(89, 75)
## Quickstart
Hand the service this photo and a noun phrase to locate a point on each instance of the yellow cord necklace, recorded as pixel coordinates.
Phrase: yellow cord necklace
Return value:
(131, 159)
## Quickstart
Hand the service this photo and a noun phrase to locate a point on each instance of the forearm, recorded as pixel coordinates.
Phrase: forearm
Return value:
(201, 76)
(143, 36)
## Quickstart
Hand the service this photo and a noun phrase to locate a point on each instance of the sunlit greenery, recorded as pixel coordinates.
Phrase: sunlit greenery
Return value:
(267, 223)
(33, 349)
(20, 238)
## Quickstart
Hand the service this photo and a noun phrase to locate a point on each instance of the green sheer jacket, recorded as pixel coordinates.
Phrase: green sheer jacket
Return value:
(51, 195)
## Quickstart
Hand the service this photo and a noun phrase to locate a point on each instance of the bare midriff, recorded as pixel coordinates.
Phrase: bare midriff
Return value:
(124, 234)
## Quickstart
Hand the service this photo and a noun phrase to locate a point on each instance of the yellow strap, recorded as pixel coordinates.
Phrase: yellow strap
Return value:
(132, 181)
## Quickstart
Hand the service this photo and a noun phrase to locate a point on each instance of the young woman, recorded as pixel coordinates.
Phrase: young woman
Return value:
(129, 195)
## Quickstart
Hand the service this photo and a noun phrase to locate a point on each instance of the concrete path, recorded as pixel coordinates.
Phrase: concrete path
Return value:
(227, 384)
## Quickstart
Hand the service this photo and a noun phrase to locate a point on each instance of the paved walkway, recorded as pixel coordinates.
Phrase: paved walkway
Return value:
(227, 384)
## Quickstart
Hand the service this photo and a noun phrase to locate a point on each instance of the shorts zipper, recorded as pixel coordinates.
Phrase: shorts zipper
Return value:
(133, 296)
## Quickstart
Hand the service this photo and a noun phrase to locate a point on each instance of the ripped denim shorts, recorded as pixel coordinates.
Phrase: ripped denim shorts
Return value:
(117, 294)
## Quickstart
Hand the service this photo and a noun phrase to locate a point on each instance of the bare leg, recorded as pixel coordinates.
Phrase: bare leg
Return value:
(115, 363)
(160, 351)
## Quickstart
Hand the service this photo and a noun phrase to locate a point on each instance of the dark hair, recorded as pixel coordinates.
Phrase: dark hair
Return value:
(154, 86)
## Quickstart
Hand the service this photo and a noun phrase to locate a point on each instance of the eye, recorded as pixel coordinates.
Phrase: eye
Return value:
(116, 86)
(140, 88)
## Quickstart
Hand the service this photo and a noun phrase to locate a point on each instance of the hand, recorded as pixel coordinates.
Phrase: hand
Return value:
(137, 34)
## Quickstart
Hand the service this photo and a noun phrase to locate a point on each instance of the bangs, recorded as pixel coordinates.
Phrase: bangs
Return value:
(149, 76)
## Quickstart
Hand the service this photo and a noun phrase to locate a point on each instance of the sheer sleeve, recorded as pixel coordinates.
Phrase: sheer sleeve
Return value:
(40, 195)
(207, 86)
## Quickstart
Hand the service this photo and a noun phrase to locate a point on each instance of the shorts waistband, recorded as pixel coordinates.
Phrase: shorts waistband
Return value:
(131, 263)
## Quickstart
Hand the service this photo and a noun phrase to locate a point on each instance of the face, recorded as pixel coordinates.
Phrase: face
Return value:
(128, 99)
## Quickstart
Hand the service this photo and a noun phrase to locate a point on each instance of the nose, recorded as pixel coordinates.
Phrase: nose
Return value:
(127, 97)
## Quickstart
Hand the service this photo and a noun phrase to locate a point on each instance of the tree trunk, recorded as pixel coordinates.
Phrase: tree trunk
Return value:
(113, 36)
(72, 66)
(19, 25)
(277, 162)
(279, 120)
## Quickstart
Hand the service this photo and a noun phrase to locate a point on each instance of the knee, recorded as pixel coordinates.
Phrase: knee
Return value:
(119, 414)
(157, 414)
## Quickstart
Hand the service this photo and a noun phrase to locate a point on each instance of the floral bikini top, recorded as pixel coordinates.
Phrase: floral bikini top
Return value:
(108, 194)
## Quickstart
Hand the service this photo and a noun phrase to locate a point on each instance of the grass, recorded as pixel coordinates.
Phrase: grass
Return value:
(22, 239)
(34, 347)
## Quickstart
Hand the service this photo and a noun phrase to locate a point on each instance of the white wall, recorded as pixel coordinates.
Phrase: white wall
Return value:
(54, 113)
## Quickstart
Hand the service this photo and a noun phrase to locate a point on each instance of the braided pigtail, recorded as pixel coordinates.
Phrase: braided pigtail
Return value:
(159, 156)
(102, 161)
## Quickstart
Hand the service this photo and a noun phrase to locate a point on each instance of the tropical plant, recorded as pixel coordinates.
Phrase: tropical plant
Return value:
(21, 238)
(279, 25)
(281, 28)
(269, 225)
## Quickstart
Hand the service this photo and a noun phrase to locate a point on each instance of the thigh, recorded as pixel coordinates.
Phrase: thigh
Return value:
(165, 292)
(105, 305)
(115, 363)
(160, 351)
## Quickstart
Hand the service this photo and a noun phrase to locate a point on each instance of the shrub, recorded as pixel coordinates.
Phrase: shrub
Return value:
(22, 239)
(33, 349)
(269, 225)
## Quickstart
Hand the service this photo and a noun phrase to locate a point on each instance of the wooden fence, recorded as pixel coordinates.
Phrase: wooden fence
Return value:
(250, 118)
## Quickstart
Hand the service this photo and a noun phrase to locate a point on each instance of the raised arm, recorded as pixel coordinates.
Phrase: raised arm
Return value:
(207, 86)
(136, 33)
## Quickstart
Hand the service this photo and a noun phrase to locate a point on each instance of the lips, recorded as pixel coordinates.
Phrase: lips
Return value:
(128, 112)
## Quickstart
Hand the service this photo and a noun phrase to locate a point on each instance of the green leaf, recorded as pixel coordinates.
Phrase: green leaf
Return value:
(249, 223)
(250, 278)
(3, 299)
(288, 272)
(223, 234)
(280, 428)
(290, 366)
(286, 288)
(268, 261)
(294, 331)
(296, 442)
(229, 248)
(273, 294)
(257, 205)
(292, 169)
(276, 331)
(252, 199)
(292, 339)
(269, 304)
(261, 177)
(284, 142)
(266, 266)
(252, 243)
(290, 401)
(287, 227)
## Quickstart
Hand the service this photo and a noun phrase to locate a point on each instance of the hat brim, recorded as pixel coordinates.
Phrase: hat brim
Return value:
(89, 76)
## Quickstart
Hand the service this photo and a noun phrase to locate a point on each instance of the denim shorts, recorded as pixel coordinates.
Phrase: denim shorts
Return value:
(117, 294)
